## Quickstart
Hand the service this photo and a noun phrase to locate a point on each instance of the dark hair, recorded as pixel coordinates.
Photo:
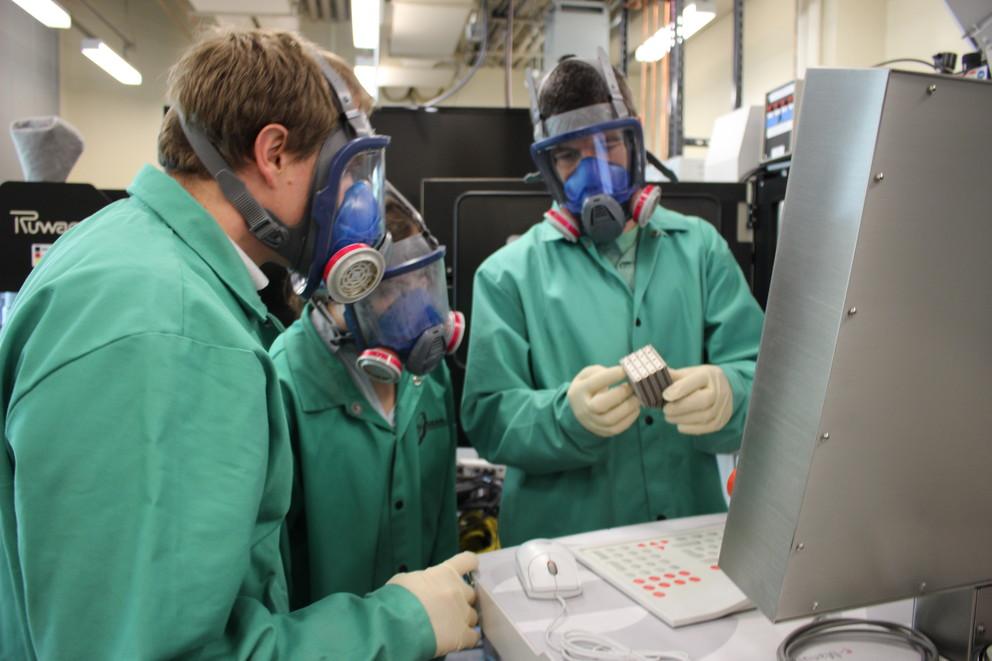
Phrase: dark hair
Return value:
(400, 221)
(576, 83)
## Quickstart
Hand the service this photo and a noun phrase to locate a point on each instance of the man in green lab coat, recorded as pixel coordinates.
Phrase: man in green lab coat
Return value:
(147, 467)
(608, 272)
(378, 435)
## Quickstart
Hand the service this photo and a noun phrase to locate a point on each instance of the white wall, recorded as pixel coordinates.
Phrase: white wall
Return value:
(486, 89)
(29, 78)
(861, 33)
(120, 130)
(769, 38)
(769, 47)
(119, 123)
(709, 79)
(920, 28)
(852, 33)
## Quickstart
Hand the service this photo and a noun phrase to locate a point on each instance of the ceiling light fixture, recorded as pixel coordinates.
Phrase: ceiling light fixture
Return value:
(104, 57)
(48, 13)
(694, 18)
(365, 15)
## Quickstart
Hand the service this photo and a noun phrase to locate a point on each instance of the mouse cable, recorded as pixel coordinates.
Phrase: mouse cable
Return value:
(849, 628)
(586, 646)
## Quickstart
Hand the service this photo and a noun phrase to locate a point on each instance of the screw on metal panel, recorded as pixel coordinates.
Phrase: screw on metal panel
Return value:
(852, 312)
(931, 89)
(980, 629)
(880, 176)
(923, 586)
(816, 605)
(825, 436)
(800, 546)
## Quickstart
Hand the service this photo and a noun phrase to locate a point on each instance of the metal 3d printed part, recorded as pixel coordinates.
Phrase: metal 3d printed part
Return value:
(648, 375)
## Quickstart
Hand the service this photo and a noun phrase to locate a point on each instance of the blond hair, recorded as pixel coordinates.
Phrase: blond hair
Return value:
(235, 82)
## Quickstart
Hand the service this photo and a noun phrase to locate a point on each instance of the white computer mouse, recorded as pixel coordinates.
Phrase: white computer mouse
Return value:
(547, 569)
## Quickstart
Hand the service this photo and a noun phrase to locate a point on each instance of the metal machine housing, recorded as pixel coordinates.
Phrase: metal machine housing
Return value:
(866, 456)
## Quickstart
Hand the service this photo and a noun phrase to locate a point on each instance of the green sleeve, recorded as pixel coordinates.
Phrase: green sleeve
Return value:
(732, 328)
(294, 546)
(383, 625)
(446, 543)
(148, 492)
(506, 417)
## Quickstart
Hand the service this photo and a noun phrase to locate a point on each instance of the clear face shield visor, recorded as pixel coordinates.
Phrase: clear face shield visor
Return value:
(605, 159)
(406, 321)
(348, 213)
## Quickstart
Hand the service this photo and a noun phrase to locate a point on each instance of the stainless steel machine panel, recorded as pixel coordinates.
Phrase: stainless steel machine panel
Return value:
(865, 461)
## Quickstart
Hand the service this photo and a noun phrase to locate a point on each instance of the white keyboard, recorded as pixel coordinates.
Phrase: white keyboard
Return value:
(675, 577)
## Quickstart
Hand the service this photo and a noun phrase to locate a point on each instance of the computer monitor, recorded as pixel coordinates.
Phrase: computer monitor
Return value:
(864, 473)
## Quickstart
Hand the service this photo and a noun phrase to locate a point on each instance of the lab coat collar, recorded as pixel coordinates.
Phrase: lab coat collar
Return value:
(309, 356)
(663, 220)
(199, 230)
(258, 278)
(319, 389)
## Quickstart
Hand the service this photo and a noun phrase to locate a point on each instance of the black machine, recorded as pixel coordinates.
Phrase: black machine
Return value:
(35, 214)
(483, 222)
(767, 197)
(723, 205)
(453, 142)
(438, 197)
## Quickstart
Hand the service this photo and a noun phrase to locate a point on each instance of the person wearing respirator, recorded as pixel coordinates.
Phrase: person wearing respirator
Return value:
(609, 271)
(147, 451)
(373, 425)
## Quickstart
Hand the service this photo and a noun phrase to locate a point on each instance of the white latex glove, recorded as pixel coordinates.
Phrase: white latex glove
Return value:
(700, 399)
(448, 600)
(603, 410)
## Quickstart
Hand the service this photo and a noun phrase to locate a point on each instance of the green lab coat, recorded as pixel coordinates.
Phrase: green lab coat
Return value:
(146, 466)
(543, 309)
(372, 500)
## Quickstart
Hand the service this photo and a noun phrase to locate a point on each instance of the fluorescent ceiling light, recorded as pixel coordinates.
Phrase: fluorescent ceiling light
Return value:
(694, 18)
(101, 55)
(367, 75)
(656, 47)
(46, 12)
(365, 15)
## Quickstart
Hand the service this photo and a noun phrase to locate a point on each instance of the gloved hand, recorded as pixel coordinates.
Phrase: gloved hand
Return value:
(603, 410)
(448, 601)
(700, 399)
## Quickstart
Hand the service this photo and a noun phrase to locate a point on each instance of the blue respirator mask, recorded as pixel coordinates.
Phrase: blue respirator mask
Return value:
(342, 243)
(406, 321)
(593, 161)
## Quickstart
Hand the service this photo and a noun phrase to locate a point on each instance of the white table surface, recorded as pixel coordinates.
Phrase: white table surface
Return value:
(514, 624)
